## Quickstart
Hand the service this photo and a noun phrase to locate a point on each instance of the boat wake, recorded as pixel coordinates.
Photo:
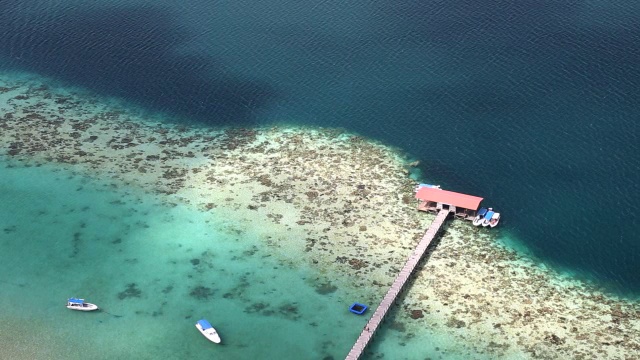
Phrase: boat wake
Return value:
(114, 315)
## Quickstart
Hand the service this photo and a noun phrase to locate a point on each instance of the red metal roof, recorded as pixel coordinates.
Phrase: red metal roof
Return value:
(449, 197)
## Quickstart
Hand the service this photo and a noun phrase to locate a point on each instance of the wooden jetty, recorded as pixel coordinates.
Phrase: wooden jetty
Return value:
(398, 284)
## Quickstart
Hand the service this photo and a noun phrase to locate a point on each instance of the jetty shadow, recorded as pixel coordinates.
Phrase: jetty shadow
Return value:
(433, 246)
(130, 52)
(424, 260)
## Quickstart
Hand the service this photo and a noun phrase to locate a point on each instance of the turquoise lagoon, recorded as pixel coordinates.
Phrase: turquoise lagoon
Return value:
(155, 268)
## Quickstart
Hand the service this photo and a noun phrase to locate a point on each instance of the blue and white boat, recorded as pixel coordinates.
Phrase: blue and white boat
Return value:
(208, 331)
(80, 305)
(477, 221)
(487, 218)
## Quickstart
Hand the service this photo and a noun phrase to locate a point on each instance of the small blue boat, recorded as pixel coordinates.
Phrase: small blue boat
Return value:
(208, 331)
(358, 308)
(477, 221)
(487, 218)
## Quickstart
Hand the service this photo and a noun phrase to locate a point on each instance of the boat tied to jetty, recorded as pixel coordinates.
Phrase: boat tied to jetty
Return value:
(432, 198)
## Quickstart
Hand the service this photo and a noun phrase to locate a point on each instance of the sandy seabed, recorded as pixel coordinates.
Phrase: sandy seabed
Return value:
(339, 203)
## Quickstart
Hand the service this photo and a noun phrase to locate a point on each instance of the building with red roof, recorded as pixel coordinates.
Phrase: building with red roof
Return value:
(435, 199)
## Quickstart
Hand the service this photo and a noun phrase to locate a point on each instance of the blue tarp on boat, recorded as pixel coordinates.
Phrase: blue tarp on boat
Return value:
(76, 301)
(482, 211)
(204, 324)
(489, 215)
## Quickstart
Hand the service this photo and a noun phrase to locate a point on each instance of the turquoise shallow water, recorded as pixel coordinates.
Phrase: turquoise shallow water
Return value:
(65, 235)
(142, 258)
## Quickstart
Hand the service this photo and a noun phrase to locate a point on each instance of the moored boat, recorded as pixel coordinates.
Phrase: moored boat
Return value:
(80, 305)
(477, 221)
(208, 331)
(426, 185)
(495, 219)
(487, 218)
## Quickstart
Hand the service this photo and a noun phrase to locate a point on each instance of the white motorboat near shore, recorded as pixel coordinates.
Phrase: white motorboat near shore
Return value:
(208, 331)
(80, 305)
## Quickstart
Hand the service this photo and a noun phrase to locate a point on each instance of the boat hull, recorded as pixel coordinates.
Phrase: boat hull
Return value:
(495, 219)
(84, 307)
(487, 217)
(477, 221)
(211, 334)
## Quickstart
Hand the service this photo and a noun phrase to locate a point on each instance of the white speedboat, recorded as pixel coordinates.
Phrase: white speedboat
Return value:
(477, 221)
(80, 305)
(495, 219)
(487, 218)
(208, 331)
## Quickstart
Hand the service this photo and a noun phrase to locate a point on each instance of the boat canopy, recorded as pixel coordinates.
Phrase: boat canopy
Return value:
(204, 324)
(489, 215)
(482, 211)
(76, 301)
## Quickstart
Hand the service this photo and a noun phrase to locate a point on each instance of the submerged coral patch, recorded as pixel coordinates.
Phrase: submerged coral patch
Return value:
(201, 292)
(326, 288)
(130, 291)
(256, 307)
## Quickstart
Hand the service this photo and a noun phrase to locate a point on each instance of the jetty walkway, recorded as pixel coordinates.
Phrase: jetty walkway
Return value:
(381, 311)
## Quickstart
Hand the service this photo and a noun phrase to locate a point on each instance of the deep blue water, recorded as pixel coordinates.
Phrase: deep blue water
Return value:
(533, 105)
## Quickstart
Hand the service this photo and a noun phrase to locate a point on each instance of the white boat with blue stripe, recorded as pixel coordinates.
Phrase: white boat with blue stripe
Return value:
(80, 305)
(477, 221)
(487, 217)
(208, 331)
